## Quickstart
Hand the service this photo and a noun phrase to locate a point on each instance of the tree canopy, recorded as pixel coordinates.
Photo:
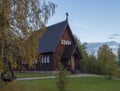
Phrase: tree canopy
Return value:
(118, 56)
(84, 54)
(106, 61)
(18, 20)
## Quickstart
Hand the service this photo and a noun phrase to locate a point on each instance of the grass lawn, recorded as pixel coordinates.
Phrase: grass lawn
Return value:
(75, 84)
(26, 75)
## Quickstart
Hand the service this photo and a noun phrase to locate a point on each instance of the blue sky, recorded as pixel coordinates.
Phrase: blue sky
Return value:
(90, 20)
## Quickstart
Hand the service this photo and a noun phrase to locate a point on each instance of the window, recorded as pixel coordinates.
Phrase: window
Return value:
(42, 59)
(62, 42)
(45, 59)
(65, 42)
(36, 61)
(48, 59)
(69, 42)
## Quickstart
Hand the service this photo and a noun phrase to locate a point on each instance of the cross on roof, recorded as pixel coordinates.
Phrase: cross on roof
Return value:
(67, 16)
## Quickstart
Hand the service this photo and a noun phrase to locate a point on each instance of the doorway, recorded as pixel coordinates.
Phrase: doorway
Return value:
(72, 63)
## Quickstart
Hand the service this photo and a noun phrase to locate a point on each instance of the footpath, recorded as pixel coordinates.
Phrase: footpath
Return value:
(50, 77)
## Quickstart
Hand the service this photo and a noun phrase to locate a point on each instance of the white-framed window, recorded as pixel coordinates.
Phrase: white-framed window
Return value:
(70, 43)
(42, 59)
(62, 42)
(48, 59)
(45, 59)
(65, 42)
(36, 61)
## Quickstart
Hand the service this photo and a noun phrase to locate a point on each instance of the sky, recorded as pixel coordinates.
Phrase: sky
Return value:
(90, 20)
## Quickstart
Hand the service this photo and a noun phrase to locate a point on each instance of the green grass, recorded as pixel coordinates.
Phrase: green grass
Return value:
(26, 75)
(94, 84)
(75, 84)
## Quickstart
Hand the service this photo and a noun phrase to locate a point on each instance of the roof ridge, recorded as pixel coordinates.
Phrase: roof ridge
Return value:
(56, 23)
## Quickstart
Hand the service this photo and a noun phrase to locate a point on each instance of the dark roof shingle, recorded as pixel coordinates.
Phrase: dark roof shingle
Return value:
(48, 42)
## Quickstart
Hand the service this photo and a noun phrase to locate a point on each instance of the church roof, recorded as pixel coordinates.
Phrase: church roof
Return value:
(48, 42)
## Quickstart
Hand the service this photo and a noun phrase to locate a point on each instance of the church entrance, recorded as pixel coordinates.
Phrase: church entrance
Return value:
(72, 63)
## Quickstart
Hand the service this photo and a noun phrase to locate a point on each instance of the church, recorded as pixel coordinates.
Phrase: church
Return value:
(57, 45)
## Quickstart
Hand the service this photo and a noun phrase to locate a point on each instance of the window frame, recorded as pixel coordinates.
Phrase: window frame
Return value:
(45, 59)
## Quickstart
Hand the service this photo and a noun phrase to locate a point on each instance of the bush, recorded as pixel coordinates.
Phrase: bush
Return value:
(62, 78)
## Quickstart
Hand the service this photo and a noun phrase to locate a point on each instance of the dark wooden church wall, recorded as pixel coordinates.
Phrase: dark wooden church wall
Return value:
(60, 48)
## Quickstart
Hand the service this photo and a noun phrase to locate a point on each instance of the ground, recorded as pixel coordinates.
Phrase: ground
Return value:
(84, 82)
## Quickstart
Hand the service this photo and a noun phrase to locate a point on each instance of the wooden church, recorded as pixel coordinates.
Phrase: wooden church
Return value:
(57, 45)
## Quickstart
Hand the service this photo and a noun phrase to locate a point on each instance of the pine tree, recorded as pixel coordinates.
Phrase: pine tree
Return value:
(62, 80)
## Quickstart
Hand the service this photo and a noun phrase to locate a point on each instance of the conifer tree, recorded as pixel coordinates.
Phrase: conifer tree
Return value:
(62, 80)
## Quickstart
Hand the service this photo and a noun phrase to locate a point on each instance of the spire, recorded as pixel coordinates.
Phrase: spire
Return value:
(67, 16)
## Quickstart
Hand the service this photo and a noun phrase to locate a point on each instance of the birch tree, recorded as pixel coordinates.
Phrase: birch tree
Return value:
(106, 61)
(18, 20)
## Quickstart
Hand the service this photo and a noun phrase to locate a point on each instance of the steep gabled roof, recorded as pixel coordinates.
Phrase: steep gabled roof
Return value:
(48, 42)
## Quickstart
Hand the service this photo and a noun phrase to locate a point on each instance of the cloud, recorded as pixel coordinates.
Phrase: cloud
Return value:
(111, 37)
(115, 35)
